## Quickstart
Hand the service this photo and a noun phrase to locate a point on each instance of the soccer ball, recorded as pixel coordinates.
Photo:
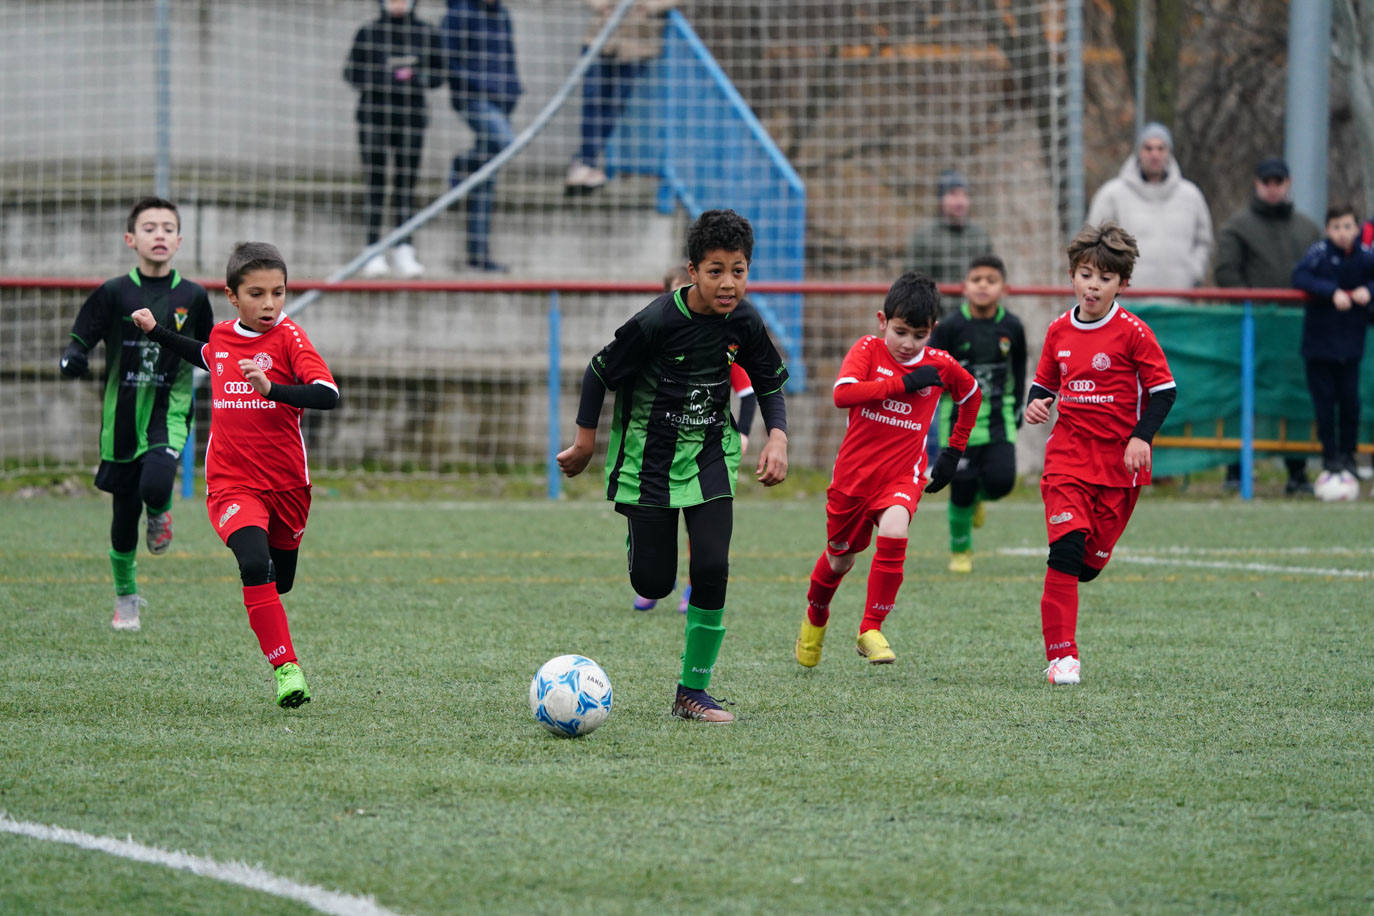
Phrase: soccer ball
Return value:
(570, 695)
(1336, 486)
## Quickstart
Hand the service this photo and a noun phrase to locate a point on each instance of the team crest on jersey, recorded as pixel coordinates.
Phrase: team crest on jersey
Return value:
(1063, 368)
(262, 361)
(181, 314)
(219, 368)
(1102, 362)
(1004, 345)
(730, 353)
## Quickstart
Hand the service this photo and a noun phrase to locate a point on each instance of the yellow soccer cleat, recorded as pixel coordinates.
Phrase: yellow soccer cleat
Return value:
(961, 562)
(809, 644)
(980, 513)
(873, 646)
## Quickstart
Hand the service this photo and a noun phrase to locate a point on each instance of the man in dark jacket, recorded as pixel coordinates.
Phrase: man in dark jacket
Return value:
(484, 87)
(394, 59)
(1257, 248)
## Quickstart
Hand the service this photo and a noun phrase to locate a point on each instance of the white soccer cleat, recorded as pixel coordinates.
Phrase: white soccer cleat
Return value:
(376, 266)
(403, 262)
(126, 612)
(1063, 670)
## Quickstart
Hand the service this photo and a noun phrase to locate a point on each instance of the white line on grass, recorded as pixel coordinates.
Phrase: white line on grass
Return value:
(326, 901)
(1145, 560)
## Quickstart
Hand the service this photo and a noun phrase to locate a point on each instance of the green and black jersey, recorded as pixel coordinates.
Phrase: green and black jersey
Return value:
(147, 389)
(993, 350)
(673, 442)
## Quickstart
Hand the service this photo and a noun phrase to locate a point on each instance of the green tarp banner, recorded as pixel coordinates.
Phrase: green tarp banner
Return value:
(1203, 345)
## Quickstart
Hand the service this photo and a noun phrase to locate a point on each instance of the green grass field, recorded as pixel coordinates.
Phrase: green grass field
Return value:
(1216, 758)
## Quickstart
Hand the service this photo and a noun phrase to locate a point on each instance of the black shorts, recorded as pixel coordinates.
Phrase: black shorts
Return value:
(124, 477)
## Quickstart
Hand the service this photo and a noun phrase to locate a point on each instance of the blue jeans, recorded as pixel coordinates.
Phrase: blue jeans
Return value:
(605, 91)
(490, 124)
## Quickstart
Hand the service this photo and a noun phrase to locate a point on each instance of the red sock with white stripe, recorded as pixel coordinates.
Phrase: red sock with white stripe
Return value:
(267, 617)
(1059, 614)
(824, 582)
(884, 579)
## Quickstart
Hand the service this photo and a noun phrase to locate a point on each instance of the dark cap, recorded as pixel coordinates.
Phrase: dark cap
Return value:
(1273, 167)
(949, 180)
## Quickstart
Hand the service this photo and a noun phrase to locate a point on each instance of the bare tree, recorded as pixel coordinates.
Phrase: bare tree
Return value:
(1354, 46)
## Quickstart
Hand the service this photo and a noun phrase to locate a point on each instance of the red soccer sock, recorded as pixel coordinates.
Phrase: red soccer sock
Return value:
(267, 617)
(884, 579)
(1059, 614)
(824, 582)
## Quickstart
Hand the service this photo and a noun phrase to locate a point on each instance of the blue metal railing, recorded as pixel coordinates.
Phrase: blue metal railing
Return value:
(687, 124)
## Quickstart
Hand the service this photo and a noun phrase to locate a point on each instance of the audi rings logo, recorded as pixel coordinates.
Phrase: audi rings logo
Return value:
(238, 388)
(1082, 384)
(895, 406)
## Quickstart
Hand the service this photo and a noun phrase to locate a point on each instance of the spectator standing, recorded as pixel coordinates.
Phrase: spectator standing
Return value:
(1256, 249)
(1338, 276)
(394, 59)
(1165, 212)
(606, 88)
(944, 247)
(484, 87)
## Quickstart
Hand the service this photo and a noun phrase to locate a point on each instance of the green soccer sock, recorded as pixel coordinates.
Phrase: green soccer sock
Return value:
(960, 528)
(124, 565)
(701, 646)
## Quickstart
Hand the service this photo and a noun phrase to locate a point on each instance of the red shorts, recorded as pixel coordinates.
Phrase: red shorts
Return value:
(1100, 512)
(850, 520)
(282, 513)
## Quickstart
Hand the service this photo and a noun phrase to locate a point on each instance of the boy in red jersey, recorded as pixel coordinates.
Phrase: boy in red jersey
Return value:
(263, 371)
(1115, 389)
(891, 385)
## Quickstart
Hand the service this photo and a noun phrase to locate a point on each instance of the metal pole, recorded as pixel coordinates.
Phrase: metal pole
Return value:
(1140, 52)
(1306, 120)
(1073, 34)
(555, 486)
(1247, 401)
(162, 91)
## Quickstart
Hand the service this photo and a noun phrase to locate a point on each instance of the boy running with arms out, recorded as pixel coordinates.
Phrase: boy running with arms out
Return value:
(990, 343)
(891, 384)
(673, 445)
(263, 372)
(147, 406)
(1115, 389)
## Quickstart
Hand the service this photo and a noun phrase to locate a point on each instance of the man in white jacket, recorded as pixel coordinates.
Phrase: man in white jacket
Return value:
(1166, 213)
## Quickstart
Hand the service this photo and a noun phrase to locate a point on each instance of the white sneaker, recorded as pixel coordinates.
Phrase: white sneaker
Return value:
(1063, 670)
(403, 262)
(126, 612)
(583, 177)
(376, 266)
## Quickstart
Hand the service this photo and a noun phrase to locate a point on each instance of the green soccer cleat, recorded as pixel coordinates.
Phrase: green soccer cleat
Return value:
(291, 689)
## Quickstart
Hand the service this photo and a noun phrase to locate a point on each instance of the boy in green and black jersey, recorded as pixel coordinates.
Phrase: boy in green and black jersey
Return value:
(146, 411)
(990, 343)
(673, 444)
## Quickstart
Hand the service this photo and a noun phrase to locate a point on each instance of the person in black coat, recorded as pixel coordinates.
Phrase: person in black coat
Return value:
(394, 59)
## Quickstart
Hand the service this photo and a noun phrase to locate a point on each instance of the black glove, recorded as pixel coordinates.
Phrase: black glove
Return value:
(942, 472)
(73, 363)
(920, 377)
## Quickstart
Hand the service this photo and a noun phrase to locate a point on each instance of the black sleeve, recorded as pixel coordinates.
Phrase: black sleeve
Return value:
(1018, 370)
(747, 405)
(1152, 417)
(1037, 392)
(774, 410)
(187, 348)
(314, 395)
(593, 394)
(94, 319)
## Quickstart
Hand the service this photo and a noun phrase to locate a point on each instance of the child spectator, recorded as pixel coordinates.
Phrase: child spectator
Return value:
(393, 60)
(990, 343)
(891, 384)
(1338, 275)
(673, 446)
(676, 277)
(1115, 389)
(147, 407)
(263, 371)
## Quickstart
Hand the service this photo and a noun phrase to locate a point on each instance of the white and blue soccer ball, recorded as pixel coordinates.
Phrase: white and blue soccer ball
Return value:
(570, 695)
(1336, 486)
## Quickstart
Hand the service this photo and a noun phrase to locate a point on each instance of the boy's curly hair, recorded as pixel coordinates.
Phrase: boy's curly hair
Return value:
(719, 230)
(1107, 247)
(914, 298)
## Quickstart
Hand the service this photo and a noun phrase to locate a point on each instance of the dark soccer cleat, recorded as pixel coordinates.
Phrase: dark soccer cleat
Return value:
(698, 705)
(159, 532)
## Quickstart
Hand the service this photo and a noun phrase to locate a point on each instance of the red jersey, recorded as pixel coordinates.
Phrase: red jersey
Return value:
(1103, 372)
(257, 443)
(885, 440)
